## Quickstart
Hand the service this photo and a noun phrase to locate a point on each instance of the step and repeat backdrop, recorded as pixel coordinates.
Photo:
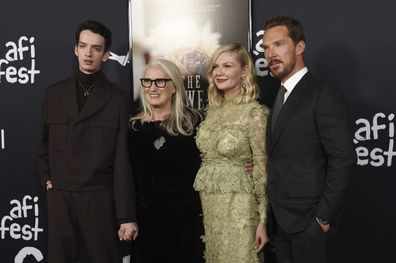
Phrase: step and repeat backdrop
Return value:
(351, 43)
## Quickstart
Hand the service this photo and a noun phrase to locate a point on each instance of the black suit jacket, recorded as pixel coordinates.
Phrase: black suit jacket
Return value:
(310, 155)
(88, 150)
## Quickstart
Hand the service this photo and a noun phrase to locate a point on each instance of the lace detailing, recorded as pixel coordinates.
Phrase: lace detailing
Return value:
(233, 201)
(230, 227)
(228, 138)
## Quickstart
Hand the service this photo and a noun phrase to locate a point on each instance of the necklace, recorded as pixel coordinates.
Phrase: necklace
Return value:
(86, 90)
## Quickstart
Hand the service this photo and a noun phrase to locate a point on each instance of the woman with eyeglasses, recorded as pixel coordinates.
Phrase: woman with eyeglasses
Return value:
(165, 161)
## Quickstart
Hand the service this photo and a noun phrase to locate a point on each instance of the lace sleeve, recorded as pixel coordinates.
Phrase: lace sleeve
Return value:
(257, 137)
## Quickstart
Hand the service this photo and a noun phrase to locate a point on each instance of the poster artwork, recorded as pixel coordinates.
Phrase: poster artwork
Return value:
(187, 33)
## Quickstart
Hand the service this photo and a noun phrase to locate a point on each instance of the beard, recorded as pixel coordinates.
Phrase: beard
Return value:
(280, 70)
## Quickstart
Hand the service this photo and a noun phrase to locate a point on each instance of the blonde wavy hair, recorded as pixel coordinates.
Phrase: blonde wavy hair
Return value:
(249, 89)
(182, 119)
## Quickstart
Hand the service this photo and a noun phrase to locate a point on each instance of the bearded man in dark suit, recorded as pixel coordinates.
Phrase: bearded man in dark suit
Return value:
(310, 150)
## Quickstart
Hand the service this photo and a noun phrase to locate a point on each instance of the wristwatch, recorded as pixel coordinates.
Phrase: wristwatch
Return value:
(322, 221)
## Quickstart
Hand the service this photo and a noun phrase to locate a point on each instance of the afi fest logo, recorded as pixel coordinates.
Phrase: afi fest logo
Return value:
(19, 62)
(22, 222)
(375, 138)
(259, 61)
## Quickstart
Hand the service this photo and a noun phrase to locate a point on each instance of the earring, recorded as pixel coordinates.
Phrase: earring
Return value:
(244, 86)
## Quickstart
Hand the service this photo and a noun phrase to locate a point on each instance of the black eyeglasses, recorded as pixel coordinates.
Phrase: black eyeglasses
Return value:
(159, 83)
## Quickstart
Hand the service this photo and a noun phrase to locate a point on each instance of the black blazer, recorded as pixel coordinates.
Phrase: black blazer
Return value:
(311, 155)
(87, 150)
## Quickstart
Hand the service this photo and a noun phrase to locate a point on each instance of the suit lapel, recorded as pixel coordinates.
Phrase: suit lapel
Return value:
(288, 109)
(97, 100)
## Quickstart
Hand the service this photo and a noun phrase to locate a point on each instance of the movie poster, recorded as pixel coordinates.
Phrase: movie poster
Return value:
(187, 33)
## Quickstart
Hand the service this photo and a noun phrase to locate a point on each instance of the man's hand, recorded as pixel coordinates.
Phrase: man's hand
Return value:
(249, 167)
(128, 231)
(325, 227)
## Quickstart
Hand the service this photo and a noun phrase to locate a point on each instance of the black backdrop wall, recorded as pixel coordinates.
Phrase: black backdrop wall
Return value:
(351, 43)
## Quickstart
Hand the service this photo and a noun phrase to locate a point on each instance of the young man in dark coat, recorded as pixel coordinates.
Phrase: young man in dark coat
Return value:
(83, 158)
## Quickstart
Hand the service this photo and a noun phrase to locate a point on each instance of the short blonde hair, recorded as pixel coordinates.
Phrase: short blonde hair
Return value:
(183, 118)
(249, 92)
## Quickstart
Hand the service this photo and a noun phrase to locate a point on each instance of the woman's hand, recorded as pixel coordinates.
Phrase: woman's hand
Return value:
(49, 185)
(261, 237)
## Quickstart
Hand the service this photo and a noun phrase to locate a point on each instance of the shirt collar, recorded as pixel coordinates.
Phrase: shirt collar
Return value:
(293, 80)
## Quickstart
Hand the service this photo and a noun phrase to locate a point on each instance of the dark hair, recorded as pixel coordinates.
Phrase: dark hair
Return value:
(97, 28)
(295, 28)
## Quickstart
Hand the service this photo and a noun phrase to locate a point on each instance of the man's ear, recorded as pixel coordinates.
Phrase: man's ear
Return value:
(300, 47)
(106, 56)
(75, 50)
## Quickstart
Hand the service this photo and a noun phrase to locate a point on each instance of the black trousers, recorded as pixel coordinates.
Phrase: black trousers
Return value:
(307, 246)
(170, 234)
(86, 218)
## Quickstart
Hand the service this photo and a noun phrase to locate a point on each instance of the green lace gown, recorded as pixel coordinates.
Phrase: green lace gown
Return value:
(233, 201)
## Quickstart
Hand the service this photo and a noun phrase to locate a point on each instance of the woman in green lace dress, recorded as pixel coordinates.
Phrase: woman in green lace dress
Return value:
(232, 134)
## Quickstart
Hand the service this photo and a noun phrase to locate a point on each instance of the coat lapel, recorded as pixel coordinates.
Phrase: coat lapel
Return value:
(68, 98)
(288, 109)
(97, 100)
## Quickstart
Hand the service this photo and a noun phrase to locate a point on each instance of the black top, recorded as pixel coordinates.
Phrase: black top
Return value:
(86, 83)
(164, 166)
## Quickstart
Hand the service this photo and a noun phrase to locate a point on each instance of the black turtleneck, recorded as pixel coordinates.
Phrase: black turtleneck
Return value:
(86, 83)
